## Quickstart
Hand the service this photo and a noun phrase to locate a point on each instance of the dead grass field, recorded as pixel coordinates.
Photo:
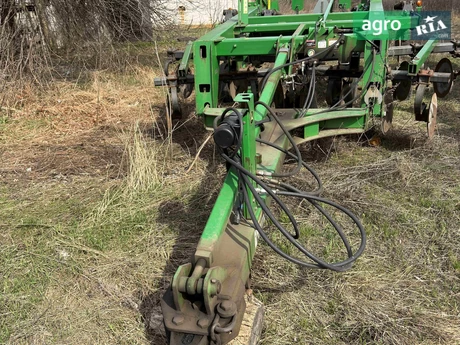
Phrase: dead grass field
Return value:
(97, 210)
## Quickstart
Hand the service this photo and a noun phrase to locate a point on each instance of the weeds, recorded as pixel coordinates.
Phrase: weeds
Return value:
(147, 163)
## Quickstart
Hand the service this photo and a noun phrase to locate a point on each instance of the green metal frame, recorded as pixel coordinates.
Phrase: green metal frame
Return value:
(225, 250)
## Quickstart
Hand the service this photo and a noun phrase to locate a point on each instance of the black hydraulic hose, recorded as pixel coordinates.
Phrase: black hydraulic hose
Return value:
(318, 190)
(288, 187)
(291, 191)
(281, 228)
(247, 180)
(245, 174)
(318, 263)
(241, 174)
(326, 52)
(311, 93)
(272, 115)
(336, 107)
(315, 192)
(311, 88)
(352, 257)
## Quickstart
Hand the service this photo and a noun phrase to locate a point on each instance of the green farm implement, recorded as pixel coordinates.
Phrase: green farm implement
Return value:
(255, 79)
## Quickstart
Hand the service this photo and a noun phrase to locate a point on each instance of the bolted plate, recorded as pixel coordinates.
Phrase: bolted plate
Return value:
(443, 89)
(432, 113)
(249, 332)
(187, 339)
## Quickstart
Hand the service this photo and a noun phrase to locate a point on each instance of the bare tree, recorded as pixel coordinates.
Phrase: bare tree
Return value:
(7, 16)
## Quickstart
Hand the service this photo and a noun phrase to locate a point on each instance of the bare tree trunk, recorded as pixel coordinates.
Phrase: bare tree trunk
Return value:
(147, 25)
(8, 30)
(7, 14)
(48, 38)
(124, 20)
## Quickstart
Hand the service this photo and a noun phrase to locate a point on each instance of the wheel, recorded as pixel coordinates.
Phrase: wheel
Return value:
(173, 108)
(402, 91)
(443, 89)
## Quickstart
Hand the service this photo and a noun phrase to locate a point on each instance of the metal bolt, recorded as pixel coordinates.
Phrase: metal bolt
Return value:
(215, 287)
(226, 305)
(203, 323)
(226, 308)
(178, 320)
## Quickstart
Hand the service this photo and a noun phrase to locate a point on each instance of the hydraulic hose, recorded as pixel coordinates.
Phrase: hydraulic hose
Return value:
(274, 189)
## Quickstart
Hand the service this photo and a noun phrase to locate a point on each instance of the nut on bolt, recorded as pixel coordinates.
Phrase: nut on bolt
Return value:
(178, 320)
(203, 323)
(227, 308)
(226, 305)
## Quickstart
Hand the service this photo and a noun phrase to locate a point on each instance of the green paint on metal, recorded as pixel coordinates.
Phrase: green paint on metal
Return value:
(345, 4)
(311, 130)
(225, 30)
(243, 12)
(353, 122)
(283, 28)
(183, 67)
(326, 12)
(294, 38)
(248, 149)
(297, 5)
(312, 117)
(270, 87)
(220, 213)
(417, 62)
(240, 41)
(207, 81)
(254, 45)
(307, 18)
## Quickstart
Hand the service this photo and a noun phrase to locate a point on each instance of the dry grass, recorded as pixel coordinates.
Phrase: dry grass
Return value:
(405, 290)
(88, 183)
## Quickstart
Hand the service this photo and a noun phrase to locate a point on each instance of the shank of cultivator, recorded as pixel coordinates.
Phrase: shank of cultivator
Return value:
(268, 64)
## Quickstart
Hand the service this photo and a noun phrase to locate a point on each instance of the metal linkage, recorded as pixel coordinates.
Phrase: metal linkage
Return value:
(255, 83)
